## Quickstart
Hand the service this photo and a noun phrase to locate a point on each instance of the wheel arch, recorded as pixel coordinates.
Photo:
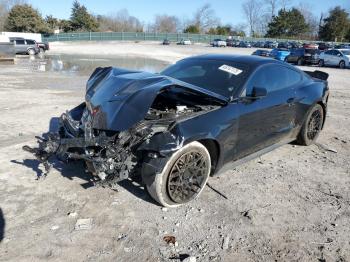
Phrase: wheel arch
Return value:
(213, 148)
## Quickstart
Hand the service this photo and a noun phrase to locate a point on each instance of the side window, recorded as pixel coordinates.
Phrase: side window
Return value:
(328, 52)
(336, 52)
(30, 42)
(20, 42)
(274, 78)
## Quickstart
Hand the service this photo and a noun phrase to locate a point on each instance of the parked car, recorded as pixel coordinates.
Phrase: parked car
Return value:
(310, 46)
(259, 44)
(25, 46)
(185, 42)
(303, 56)
(231, 42)
(43, 46)
(323, 46)
(284, 45)
(279, 53)
(219, 43)
(270, 44)
(335, 57)
(244, 44)
(198, 117)
(166, 42)
(260, 52)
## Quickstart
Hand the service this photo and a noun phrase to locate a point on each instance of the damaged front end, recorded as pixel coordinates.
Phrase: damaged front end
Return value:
(127, 117)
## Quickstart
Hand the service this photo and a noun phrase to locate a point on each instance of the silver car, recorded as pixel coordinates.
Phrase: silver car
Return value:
(25, 46)
(335, 57)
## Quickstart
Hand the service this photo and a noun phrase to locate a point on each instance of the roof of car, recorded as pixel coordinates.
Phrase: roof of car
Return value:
(252, 61)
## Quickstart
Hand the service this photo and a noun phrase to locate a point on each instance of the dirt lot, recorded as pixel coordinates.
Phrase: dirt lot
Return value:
(289, 205)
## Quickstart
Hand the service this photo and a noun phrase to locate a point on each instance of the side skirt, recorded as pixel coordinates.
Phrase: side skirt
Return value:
(234, 164)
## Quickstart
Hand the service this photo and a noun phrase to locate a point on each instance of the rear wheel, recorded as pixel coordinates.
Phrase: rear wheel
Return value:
(183, 177)
(312, 126)
(300, 61)
(31, 51)
(342, 64)
(42, 50)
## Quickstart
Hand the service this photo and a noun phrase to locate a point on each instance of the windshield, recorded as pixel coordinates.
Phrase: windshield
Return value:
(346, 52)
(221, 77)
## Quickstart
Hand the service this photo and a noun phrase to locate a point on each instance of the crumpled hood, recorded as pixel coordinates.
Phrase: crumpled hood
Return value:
(119, 98)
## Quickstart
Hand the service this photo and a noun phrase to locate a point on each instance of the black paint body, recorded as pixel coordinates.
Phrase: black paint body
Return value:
(238, 127)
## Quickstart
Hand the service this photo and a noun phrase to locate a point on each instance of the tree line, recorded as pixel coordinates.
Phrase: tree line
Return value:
(265, 18)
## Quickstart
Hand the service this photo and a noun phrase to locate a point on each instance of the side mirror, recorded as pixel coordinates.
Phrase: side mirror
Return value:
(258, 92)
(340, 55)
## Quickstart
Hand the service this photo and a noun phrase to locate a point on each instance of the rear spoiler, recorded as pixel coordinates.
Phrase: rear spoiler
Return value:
(318, 74)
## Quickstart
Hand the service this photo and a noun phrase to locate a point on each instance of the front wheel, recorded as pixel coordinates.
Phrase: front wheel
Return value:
(342, 64)
(312, 126)
(300, 62)
(184, 176)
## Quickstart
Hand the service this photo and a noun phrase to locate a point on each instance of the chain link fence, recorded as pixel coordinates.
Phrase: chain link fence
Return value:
(141, 36)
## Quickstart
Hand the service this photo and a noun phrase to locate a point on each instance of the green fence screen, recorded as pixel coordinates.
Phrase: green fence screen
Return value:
(134, 36)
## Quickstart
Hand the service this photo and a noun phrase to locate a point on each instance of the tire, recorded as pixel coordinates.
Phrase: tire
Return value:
(342, 64)
(300, 62)
(286, 59)
(31, 51)
(42, 50)
(312, 126)
(321, 63)
(162, 187)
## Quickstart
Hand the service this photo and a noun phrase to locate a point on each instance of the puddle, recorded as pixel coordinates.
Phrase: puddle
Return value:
(85, 65)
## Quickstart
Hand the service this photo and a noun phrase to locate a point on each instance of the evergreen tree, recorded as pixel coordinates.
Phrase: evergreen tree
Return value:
(81, 20)
(336, 26)
(24, 18)
(288, 23)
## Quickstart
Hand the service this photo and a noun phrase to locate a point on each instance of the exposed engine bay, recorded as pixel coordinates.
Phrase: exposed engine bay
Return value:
(111, 153)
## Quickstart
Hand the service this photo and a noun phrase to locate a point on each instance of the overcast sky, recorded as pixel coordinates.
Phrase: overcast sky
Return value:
(229, 11)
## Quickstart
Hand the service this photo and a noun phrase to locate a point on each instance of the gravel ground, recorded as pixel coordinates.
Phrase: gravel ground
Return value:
(289, 205)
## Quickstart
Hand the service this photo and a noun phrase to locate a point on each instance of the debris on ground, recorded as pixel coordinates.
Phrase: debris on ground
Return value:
(83, 224)
(169, 239)
(216, 191)
(226, 242)
(72, 214)
(326, 148)
(53, 228)
(190, 259)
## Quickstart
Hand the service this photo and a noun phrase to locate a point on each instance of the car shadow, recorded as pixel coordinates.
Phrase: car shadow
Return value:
(76, 169)
(136, 187)
(2, 225)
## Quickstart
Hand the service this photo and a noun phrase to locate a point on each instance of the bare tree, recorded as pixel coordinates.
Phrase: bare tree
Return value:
(285, 3)
(272, 7)
(252, 10)
(205, 18)
(310, 18)
(120, 22)
(166, 24)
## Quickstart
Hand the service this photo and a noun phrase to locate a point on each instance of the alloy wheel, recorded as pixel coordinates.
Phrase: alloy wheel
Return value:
(314, 125)
(187, 177)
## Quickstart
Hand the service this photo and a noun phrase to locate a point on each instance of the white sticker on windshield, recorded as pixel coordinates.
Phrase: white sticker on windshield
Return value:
(230, 69)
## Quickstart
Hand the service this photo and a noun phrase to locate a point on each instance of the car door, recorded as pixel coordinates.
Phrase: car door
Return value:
(271, 119)
(20, 46)
(336, 57)
(327, 57)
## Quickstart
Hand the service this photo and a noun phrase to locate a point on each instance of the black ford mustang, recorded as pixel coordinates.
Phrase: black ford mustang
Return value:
(176, 128)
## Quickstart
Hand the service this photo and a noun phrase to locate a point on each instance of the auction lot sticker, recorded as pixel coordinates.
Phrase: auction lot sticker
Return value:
(230, 69)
